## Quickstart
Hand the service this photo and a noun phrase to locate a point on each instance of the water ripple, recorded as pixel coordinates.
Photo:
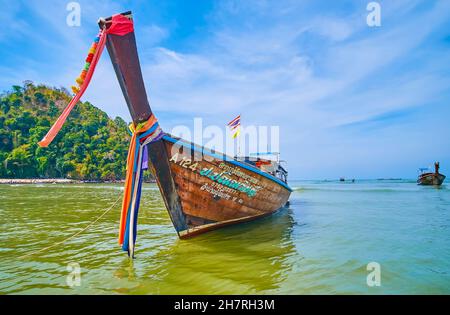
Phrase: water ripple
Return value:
(321, 244)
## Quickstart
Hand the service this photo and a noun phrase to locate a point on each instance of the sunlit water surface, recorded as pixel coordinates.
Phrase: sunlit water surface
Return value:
(322, 243)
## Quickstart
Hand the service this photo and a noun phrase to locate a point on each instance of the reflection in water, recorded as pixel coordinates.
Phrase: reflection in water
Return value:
(247, 258)
(250, 258)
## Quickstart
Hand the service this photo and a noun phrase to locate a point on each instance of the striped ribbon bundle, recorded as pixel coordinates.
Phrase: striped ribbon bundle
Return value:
(137, 162)
(141, 135)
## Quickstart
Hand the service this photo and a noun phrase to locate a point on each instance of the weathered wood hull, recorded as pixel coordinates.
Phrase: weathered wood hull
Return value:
(431, 179)
(214, 190)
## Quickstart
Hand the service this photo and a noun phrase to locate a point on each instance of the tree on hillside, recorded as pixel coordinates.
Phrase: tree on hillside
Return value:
(90, 145)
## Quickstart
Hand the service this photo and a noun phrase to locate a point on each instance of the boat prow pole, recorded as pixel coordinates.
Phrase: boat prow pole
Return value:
(124, 57)
(123, 52)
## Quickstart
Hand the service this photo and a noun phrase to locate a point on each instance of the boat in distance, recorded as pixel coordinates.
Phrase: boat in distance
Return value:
(430, 178)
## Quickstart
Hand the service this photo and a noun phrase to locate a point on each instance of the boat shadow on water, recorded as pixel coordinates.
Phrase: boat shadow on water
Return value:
(252, 257)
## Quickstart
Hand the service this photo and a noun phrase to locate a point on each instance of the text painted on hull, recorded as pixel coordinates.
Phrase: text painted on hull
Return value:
(222, 185)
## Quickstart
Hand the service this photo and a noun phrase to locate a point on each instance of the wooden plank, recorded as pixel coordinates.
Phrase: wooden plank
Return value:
(158, 156)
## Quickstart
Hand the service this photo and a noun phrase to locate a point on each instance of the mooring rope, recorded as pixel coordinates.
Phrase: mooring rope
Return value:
(76, 234)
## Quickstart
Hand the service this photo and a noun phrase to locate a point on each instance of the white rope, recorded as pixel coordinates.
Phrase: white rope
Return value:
(76, 234)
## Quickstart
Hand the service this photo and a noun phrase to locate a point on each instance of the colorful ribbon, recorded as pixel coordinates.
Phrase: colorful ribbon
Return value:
(141, 135)
(120, 25)
(79, 91)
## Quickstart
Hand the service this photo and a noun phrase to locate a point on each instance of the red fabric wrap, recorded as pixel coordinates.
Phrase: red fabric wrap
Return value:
(120, 25)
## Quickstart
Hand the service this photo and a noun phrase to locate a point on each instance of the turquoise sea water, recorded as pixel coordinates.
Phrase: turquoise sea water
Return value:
(322, 243)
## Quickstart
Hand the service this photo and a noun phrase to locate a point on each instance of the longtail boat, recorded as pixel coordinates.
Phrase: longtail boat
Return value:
(202, 189)
(430, 178)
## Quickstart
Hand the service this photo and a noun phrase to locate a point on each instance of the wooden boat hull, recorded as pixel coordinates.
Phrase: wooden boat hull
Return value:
(431, 179)
(215, 190)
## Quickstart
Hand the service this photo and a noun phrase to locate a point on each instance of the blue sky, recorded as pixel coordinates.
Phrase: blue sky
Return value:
(350, 100)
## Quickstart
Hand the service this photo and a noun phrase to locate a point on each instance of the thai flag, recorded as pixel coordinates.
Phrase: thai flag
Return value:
(235, 126)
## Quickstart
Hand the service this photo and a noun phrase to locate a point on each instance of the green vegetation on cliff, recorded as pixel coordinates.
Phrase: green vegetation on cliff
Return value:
(90, 146)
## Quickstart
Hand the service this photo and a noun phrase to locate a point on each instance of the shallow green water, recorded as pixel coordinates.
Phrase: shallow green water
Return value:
(321, 244)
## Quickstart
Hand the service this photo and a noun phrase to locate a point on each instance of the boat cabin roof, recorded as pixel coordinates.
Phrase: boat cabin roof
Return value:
(272, 156)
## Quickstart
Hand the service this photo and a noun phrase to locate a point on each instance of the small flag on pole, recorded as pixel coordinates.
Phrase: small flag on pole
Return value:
(235, 126)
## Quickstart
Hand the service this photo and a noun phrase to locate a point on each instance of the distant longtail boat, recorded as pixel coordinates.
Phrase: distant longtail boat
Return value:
(429, 178)
(202, 189)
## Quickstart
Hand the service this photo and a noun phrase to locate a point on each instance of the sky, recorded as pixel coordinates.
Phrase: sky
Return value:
(350, 100)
